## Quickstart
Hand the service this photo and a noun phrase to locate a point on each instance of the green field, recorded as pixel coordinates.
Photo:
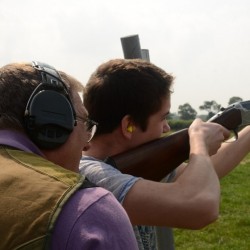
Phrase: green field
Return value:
(232, 229)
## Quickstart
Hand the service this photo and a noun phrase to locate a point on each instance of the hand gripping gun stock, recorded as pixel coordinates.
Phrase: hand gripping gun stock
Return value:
(155, 159)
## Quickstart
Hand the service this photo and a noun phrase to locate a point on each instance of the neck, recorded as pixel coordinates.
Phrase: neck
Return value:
(106, 145)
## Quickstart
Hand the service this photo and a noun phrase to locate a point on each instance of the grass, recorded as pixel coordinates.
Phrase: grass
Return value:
(232, 229)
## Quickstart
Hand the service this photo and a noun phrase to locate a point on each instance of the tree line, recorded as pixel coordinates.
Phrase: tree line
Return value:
(186, 113)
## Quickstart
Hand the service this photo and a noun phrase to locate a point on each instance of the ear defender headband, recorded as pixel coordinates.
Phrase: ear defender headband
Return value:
(49, 115)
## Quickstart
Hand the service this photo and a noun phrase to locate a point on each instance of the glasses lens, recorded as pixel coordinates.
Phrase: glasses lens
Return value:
(91, 127)
(92, 131)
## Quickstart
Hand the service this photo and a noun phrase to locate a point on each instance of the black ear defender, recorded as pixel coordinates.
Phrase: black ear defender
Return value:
(49, 115)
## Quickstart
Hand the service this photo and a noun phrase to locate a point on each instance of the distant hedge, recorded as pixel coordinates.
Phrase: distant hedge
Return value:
(179, 124)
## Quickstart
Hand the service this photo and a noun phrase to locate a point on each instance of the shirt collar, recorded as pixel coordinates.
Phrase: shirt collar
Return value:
(18, 140)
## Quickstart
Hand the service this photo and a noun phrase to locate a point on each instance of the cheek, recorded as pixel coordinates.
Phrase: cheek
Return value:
(154, 133)
(159, 128)
(80, 137)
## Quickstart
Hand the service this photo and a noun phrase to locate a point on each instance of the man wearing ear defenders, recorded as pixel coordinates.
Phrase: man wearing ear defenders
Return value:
(45, 203)
(130, 100)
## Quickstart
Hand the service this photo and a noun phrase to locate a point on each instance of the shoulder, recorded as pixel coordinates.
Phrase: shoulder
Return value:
(87, 161)
(106, 176)
(92, 219)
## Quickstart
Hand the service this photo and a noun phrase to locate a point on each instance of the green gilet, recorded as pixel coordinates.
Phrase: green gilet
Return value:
(32, 193)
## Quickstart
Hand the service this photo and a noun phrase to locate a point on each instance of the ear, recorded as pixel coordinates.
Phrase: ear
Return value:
(127, 126)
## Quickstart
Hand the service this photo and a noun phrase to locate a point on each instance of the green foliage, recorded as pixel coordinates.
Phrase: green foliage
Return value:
(231, 230)
(176, 125)
(186, 112)
(212, 107)
(234, 99)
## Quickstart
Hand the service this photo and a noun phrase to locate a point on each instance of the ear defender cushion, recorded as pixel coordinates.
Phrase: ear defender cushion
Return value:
(50, 120)
(49, 115)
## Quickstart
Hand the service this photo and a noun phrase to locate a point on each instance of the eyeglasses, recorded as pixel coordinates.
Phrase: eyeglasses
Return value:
(91, 126)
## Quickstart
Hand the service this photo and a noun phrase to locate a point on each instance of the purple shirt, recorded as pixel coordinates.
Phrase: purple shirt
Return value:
(91, 219)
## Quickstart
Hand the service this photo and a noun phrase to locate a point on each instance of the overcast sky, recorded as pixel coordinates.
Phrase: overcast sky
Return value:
(204, 44)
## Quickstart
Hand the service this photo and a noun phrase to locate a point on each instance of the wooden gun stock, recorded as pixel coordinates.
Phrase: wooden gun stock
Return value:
(155, 159)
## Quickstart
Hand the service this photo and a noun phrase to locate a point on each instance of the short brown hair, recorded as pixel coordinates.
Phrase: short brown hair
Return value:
(122, 87)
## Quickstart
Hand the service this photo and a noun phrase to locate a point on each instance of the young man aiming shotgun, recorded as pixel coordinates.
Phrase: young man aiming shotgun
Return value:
(130, 100)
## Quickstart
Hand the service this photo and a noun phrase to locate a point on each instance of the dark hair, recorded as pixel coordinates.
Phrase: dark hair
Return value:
(17, 82)
(122, 87)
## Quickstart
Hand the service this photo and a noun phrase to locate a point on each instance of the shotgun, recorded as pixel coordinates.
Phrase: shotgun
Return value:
(157, 158)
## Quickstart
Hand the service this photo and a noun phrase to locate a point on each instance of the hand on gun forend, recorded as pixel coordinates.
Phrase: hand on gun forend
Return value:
(206, 137)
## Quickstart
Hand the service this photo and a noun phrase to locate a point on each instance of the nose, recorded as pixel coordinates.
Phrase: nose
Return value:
(166, 127)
